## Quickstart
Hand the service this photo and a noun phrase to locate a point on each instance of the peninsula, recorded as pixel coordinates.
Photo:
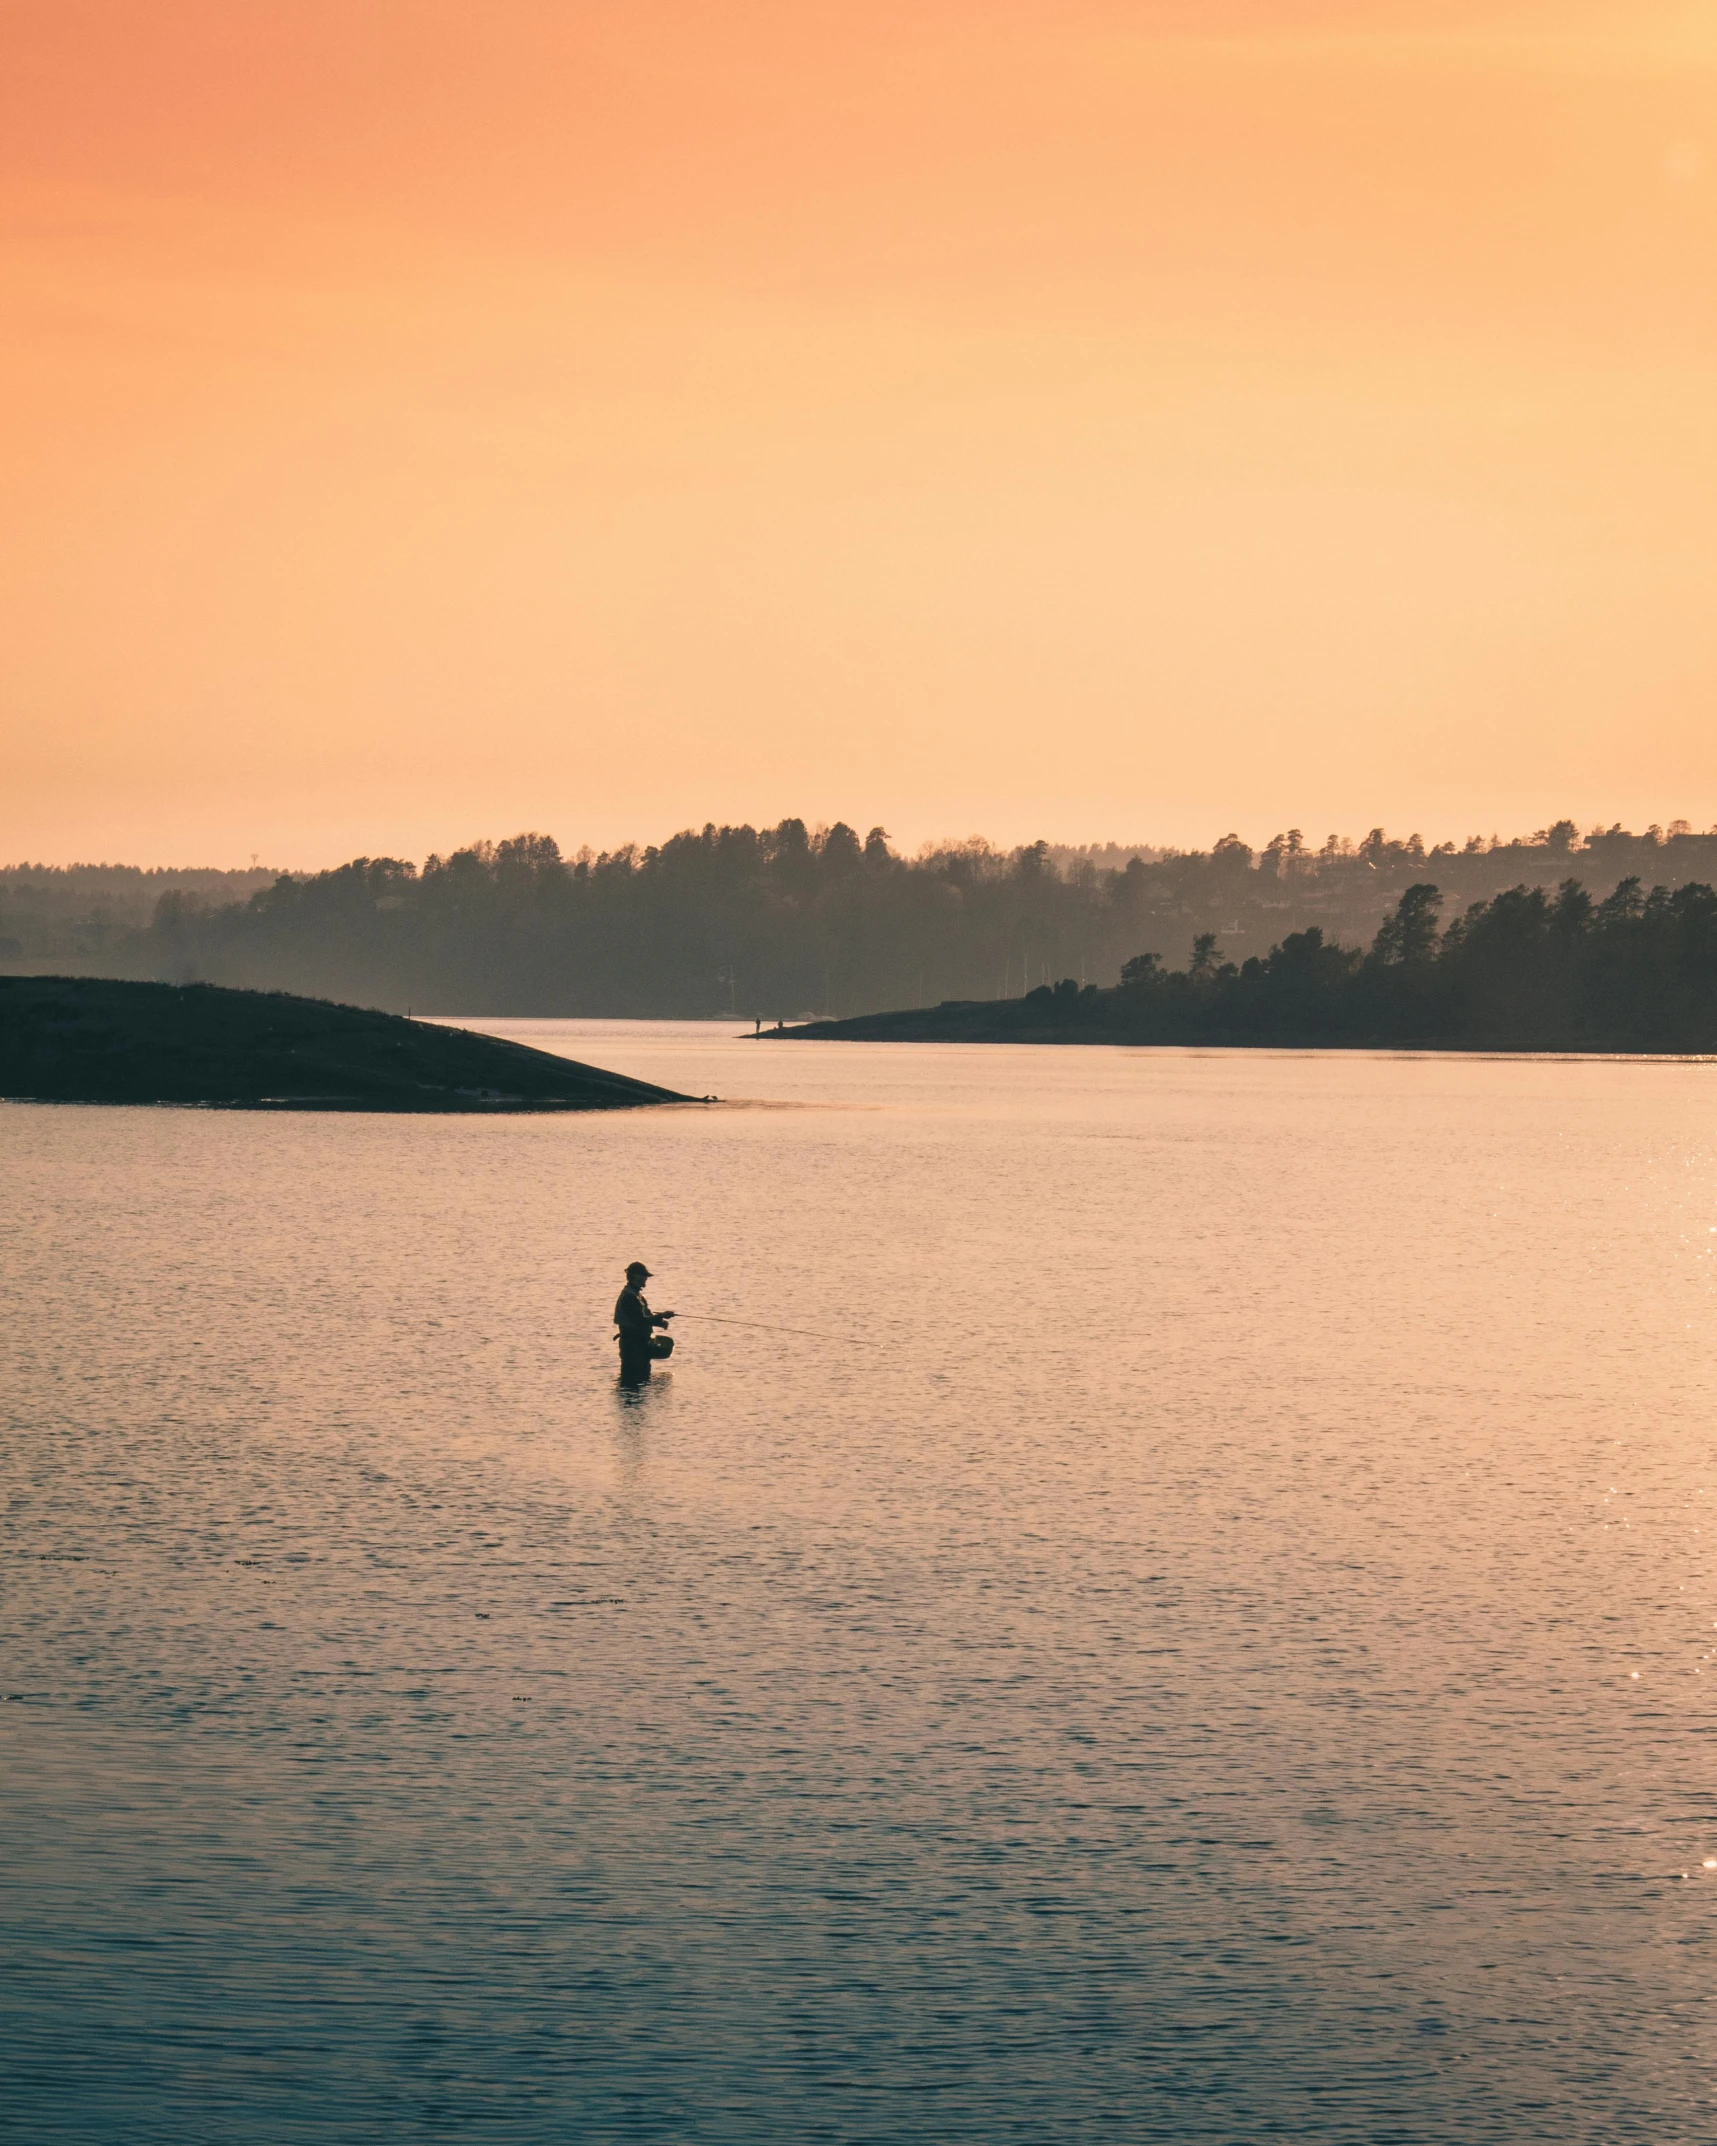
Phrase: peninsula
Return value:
(95, 1040)
(1525, 971)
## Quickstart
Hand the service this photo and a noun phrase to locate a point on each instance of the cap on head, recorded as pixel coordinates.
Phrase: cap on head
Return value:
(637, 1272)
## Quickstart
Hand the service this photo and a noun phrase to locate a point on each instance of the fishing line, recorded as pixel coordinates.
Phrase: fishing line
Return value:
(768, 1326)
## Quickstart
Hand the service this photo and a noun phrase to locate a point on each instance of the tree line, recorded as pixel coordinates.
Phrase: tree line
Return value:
(75, 915)
(787, 920)
(1529, 969)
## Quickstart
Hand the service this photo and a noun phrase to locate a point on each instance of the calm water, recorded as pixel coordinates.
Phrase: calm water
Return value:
(1211, 1635)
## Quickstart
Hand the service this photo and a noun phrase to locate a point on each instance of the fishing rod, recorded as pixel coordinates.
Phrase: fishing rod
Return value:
(768, 1326)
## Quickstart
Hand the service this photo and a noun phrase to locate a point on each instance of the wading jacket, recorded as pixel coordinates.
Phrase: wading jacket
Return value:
(634, 1318)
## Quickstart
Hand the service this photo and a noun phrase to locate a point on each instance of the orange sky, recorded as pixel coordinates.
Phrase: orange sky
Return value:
(1091, 419)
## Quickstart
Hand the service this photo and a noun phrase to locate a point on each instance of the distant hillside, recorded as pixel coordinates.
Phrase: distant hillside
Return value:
(73, 915)
(95, 1040)
(740, 921)
(1524, 971)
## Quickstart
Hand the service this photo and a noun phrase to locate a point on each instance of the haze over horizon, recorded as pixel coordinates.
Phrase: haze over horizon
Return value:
(573, 849)
(1099, 421)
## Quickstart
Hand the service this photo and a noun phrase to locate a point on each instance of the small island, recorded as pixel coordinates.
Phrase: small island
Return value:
(1526, 971)
(74, 1039)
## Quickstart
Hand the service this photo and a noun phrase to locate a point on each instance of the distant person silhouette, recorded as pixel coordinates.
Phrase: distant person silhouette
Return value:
(639, 1344)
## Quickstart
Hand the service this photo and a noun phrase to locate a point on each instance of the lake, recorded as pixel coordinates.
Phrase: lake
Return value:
(1189, 1613)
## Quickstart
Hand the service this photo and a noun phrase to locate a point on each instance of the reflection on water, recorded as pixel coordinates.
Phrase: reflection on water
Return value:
(1208, 1631)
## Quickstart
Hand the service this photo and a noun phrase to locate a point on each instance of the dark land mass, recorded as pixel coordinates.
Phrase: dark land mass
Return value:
(80, 1039)
(773, 921)
(1525, 971)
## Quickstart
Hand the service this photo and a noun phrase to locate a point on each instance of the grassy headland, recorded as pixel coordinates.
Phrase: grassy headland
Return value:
(1525, 971)
(95, 1040)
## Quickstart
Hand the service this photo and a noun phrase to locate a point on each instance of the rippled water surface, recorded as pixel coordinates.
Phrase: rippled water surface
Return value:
(1207, 1634)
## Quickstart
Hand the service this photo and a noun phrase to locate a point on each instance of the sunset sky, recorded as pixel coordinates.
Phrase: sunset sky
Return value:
(1064, 417)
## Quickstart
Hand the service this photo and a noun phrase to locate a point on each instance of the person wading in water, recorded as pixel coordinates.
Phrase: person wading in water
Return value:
(637, 1323)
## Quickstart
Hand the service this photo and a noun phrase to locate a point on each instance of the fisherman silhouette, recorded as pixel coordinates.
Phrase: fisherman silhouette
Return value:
(640, 1344)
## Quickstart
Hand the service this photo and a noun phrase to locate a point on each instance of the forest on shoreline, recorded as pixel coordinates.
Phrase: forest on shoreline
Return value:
(773, 922)
(1527, 970)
